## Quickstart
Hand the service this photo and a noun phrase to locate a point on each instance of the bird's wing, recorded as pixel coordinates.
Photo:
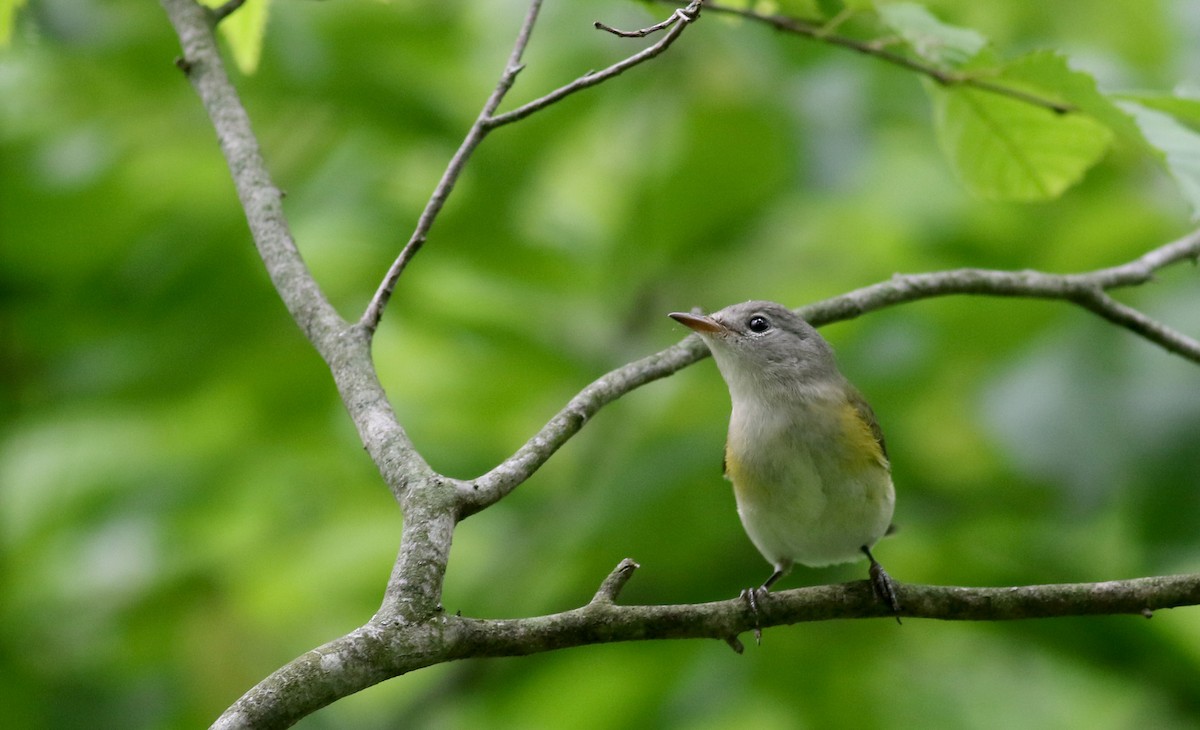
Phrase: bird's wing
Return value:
(868, 417)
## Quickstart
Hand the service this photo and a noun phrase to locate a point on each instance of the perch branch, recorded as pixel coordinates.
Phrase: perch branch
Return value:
(488, 120)
(381, 650)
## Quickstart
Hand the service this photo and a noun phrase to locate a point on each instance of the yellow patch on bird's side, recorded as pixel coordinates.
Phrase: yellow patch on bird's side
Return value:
(861, 443)
(743, 484)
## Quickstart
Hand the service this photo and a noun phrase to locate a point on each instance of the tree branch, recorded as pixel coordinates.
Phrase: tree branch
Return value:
(1086, 290)
(513, 471)
(261, 199)
(384, 649)
(479, 129)
(685, 17)
(344, 347)
(488, 120)
(823, 34)
(226, 9)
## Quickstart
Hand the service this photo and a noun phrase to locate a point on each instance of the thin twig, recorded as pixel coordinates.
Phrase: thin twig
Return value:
(1085, 290)
(870, 48)
(1098, 302)
(489, 120)
(596, 77)
(479, 129)
(225, 10)
(687, 14)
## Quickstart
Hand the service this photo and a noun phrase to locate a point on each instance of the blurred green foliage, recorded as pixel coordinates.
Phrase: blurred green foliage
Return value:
(184, 505)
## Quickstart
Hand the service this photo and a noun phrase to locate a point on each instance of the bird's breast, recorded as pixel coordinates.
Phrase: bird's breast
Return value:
(810, 479)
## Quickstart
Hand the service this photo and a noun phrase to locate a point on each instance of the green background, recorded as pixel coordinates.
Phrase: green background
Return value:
(184, 505)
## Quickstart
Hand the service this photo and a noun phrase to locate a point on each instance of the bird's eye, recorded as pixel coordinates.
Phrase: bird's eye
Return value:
(758, 324)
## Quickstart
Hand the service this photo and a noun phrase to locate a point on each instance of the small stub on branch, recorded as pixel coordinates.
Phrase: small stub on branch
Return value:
(226, 9)
(615, 581)
(685, 14)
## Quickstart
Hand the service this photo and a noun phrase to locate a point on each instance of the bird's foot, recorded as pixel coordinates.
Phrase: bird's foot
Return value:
(752, 596)
(883, 585)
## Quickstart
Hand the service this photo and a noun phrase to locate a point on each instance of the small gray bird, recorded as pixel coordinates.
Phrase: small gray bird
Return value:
(805, 454)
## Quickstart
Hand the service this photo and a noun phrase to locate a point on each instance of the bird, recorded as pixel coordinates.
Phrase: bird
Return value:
(804, 453)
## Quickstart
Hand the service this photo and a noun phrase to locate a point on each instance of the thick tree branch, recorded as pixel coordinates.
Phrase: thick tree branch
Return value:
(488, 120)
(261, 199)
(385, 648)
(1086, 290)
(416, 585)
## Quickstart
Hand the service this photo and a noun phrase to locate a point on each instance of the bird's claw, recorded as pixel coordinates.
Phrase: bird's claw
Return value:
(751, 597)
(885, 588)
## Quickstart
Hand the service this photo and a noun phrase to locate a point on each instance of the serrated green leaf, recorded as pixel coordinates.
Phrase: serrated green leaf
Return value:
(929, 37)
(1048, 74)
(244, 31)
(8, 14)
(1179, 145)
(1007, 149)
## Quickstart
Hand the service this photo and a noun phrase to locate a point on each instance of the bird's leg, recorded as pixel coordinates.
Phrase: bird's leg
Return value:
(882, 583)
(752, 595)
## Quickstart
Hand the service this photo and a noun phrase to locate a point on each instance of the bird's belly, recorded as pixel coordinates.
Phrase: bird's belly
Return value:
(807, 503)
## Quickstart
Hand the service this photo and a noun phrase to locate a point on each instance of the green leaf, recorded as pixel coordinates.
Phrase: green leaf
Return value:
(929, 37)
(244, 31)
(1167, 126)
(1048, 74)
(1185, 109)
(8, 13)
(1008, 149)
(1178, 144)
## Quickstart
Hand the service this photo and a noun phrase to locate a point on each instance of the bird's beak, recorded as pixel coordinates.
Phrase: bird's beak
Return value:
(698, 322)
